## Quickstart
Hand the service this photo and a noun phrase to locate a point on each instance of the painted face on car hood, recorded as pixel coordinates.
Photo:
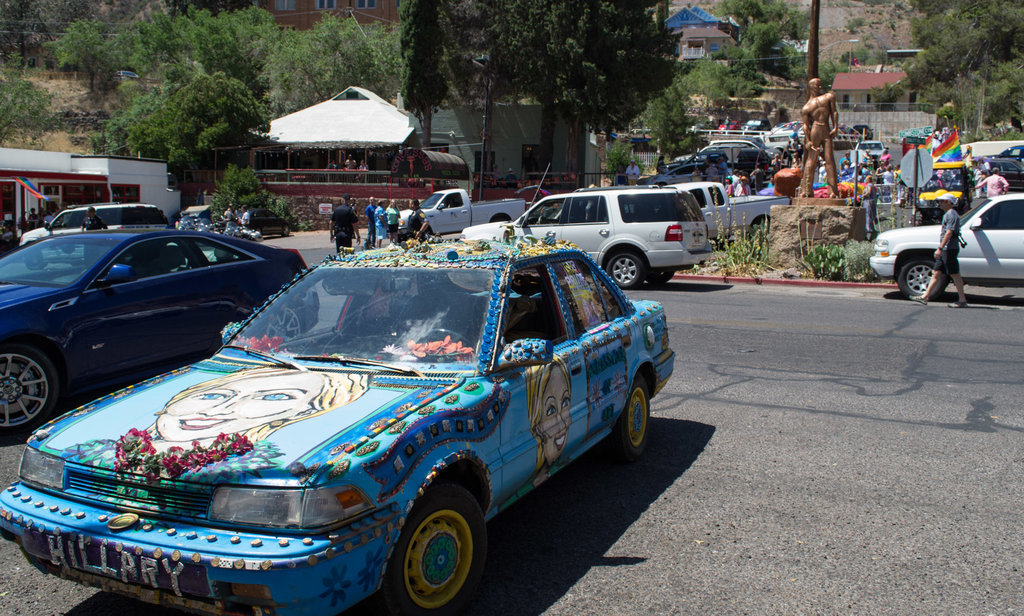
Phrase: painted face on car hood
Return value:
(289, 419)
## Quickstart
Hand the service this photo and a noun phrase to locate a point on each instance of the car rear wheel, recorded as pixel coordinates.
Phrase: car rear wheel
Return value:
(914, 277)
(660, 277)
(285, 230)
(628, 439)
(28, 387)
(627, 269)
(439, 557)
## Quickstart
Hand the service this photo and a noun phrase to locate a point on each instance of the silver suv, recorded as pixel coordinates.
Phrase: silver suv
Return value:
(116, 216)
(637, 233)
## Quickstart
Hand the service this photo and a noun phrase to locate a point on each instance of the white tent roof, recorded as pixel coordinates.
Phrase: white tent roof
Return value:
(354, 118)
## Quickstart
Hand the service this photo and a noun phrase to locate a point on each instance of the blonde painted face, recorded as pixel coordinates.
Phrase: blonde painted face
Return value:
(552, 429)
(239, 405)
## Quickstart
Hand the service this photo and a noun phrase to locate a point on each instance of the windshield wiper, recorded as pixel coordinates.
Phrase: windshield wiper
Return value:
(267, 356)
(361, 362)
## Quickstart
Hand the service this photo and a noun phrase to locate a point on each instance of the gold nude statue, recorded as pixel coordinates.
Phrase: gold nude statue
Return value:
(816, 114)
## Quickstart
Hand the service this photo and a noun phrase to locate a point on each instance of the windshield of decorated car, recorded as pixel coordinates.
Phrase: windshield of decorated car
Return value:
(430, 317)
(56, 262)
(949, 179)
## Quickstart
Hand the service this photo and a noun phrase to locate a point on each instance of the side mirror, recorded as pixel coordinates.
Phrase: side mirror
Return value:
(229, 331)
(118, 274)
(975, 223)
(525, 352)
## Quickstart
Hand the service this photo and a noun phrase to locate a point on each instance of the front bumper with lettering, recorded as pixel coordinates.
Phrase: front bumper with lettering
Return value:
(202, 569)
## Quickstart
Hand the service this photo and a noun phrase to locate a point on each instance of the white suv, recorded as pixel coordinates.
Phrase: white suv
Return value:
(116, 216)
(637, 233)
(993, 255)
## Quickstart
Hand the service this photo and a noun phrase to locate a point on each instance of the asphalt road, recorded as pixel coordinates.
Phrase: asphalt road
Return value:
(817, 451)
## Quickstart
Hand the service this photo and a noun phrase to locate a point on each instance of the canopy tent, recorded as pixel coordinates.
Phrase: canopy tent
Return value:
(355, 118)
(427, 164)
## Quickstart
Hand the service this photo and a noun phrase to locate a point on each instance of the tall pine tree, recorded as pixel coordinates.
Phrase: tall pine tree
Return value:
(424, 84)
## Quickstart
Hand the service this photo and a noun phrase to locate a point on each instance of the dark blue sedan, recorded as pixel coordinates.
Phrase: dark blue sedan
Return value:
(92, 310)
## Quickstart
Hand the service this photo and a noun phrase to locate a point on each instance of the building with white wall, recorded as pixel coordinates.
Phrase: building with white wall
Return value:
(73, 179)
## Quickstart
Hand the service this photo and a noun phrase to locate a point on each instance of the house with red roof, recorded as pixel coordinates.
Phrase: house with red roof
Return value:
(855, 89)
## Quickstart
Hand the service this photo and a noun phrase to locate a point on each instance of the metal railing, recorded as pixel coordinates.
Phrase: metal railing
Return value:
(851, 106)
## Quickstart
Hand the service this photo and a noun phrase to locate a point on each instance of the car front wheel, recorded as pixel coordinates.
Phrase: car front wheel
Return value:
(914, 277)
(439, 557)
(28, 387)
(627, 269)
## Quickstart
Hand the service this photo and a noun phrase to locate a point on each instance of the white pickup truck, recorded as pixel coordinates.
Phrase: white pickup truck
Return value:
(451, 211)
(728, 215)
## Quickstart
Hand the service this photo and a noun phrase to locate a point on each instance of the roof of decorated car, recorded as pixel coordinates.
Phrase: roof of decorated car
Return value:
(454, 253)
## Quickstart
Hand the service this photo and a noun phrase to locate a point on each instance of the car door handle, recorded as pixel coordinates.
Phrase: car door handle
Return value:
(603, 232)
(576, 369)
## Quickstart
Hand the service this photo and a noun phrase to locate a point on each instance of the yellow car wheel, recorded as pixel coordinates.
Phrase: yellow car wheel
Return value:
(439, 556)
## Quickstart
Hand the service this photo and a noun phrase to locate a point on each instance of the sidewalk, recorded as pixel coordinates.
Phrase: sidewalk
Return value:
(800, 282)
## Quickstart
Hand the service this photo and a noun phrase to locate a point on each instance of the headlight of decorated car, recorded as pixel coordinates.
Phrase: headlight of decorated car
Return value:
(288, 508)
(41, 469)
(882, 247)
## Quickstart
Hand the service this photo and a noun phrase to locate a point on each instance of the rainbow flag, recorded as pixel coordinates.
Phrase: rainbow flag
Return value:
(32, 190)
(949, 150)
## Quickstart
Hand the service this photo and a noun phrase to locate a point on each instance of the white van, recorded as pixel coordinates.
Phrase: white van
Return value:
(116, 216)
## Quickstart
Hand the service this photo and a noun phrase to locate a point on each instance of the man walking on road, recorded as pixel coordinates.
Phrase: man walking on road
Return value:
(946, 254)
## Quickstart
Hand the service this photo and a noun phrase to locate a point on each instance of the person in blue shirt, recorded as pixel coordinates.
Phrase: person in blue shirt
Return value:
(371, 225)
(380, 225)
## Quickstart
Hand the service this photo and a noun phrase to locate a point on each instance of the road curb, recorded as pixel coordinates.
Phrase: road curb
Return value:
(800, 282)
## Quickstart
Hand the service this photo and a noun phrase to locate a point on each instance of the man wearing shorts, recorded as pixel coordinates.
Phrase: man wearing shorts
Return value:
(946, 255)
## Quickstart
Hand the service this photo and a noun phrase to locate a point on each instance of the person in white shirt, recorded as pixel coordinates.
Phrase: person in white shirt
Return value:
(632, 172)
(244, 218)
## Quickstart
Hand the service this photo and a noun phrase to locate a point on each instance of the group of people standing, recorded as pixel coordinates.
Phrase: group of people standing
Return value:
(382, 221)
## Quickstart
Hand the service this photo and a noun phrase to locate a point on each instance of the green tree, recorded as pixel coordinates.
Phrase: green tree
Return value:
(208, 112)
(424, 83)
(86, 46)
(236, 43)
(591, 62)
(670, 126)
(764, 25)
(311, 66)
(24, 107)
(965, 48)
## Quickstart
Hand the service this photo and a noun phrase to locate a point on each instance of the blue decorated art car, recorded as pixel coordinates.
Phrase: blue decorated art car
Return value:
(353, 436)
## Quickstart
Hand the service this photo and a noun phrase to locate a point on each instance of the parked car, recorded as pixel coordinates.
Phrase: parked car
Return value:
(726, 216)
(1015, 152)
(452, 210)
(268, 223)
(992, 256)
(757, 126)
(83, 311)
(870, 149)
(729, 125)
(115, 215)
(300, 470)
(683, 171)
(741, 156)
(1012, 170)
(640, 233)
(864, 131)
(125, 75)
(954, 178)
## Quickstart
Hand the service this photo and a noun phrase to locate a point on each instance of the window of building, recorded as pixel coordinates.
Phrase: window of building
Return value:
(366, 4)
(124, 193)
(285, 5)
(713, 47)
(325, 4)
